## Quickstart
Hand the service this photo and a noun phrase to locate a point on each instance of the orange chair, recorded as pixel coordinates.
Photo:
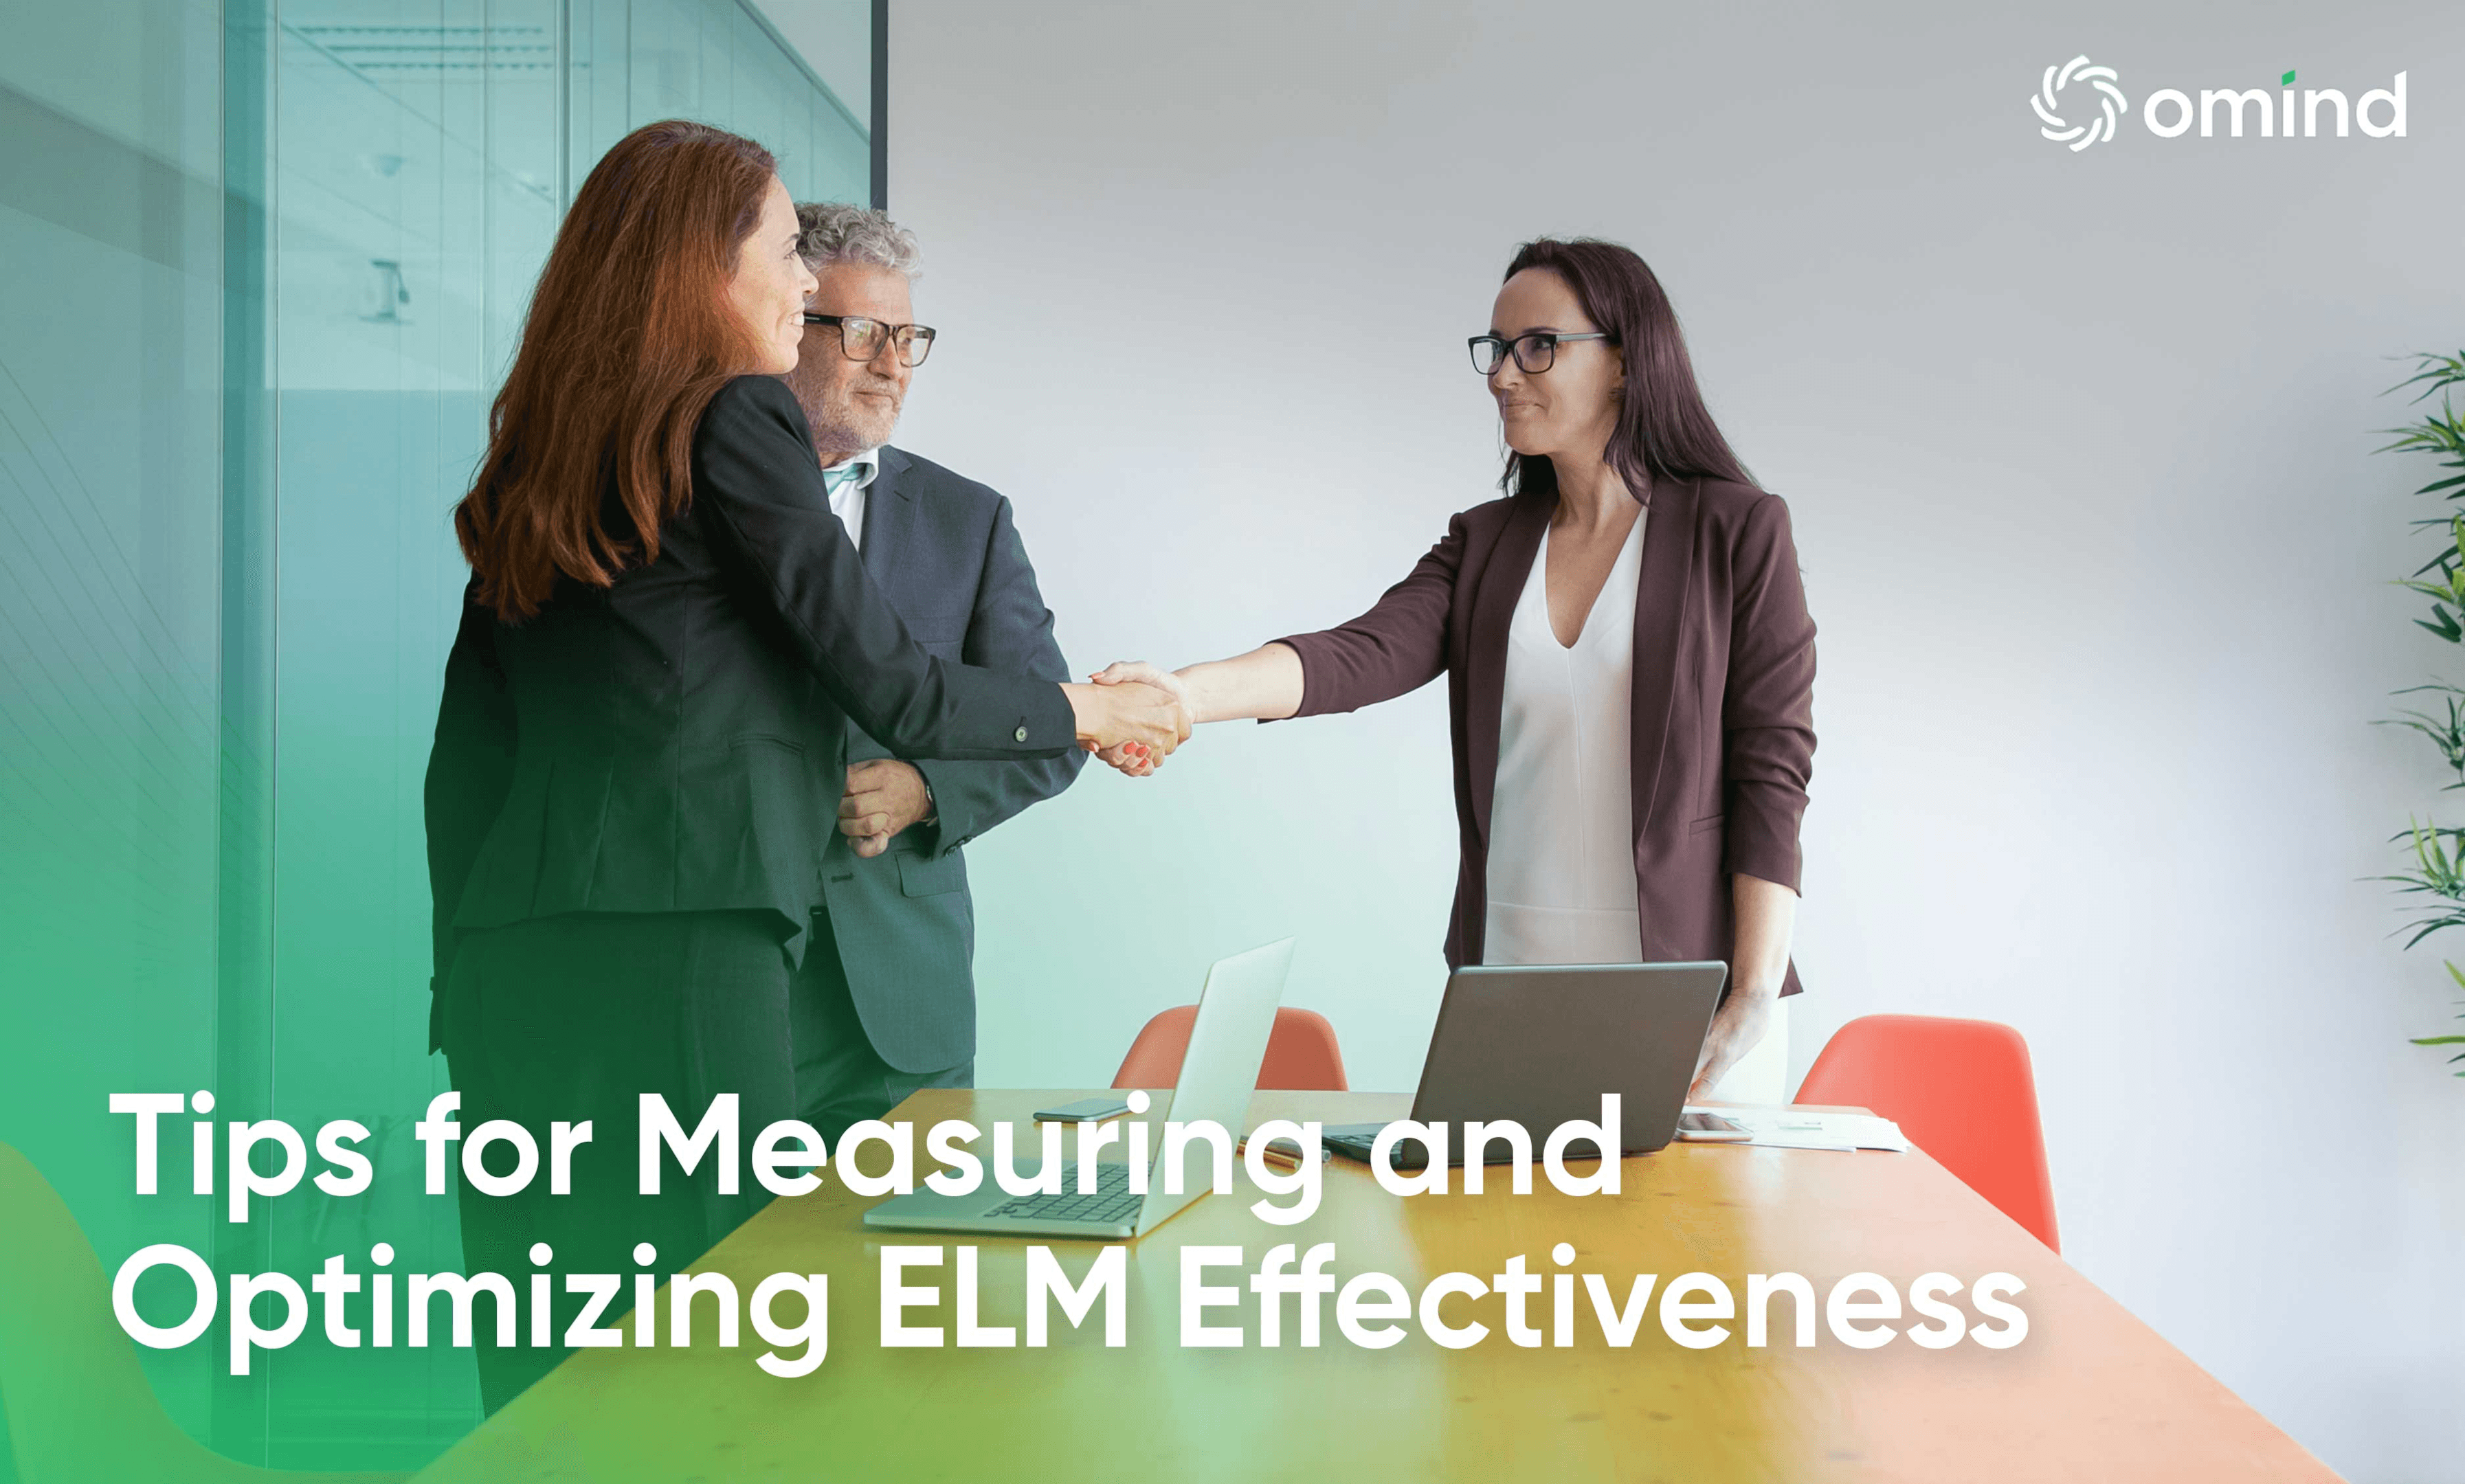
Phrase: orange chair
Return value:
(1961, 1090)
(1300, 1053)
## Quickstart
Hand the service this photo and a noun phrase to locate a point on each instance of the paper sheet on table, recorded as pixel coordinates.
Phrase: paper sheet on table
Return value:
(1801, 1128)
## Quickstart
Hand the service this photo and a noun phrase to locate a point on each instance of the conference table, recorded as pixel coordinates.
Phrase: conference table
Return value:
(2089, 1393)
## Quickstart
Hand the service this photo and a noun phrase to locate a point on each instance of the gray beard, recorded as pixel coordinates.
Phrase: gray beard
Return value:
(839, 429)
(839, 437)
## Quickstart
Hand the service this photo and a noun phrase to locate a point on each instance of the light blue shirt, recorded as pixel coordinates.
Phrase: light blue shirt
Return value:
(847, 483)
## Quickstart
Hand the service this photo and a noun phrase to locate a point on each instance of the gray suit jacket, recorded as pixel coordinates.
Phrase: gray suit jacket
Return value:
(943, 549)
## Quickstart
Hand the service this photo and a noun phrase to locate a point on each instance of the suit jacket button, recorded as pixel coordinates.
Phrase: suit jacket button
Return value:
(1019, 736)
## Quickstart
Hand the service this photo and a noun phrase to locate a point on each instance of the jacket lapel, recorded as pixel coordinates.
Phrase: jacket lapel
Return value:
(889, 537)
(889, 519)
(1493, 616)
(1659, 614)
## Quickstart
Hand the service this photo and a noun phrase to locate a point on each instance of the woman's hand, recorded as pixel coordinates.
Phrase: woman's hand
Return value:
(1264, 683)
(1766, 916)
(1735, 1028)
(1145, 674)
(1129, 719)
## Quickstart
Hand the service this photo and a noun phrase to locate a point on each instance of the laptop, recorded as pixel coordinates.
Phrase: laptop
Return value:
(1227, 1044)
(1540, 1044)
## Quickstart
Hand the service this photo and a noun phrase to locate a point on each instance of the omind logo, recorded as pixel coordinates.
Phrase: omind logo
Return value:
(2094, 111)
(2079, 136)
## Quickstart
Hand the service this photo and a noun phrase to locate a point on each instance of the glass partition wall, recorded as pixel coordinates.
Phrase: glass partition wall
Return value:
(266, 261)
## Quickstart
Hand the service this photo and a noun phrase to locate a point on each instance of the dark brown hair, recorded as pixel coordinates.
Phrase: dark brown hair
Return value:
(629, 337)
(1665, 430)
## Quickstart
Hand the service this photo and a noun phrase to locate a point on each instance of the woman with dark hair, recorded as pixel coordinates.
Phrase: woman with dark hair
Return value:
(640, 750)
(1629, 659)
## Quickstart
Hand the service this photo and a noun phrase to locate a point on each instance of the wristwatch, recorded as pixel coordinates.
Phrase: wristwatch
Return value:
(932, 810)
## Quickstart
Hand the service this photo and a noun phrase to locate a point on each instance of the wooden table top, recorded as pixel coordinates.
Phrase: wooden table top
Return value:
(2091, 1393)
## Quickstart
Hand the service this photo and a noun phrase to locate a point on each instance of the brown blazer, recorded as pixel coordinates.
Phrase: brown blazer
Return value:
(1724, 736)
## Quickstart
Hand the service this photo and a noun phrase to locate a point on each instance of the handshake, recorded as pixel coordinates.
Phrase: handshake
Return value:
(1158, 715)
(1132, 715)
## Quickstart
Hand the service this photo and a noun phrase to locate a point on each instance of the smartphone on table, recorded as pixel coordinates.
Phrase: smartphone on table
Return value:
(1701, 1127)
(1086, 1110)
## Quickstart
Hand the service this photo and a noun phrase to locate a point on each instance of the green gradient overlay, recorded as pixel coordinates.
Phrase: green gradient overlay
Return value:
(267, 259)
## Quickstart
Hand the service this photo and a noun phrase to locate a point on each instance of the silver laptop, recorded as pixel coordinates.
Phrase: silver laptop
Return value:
(1227, 1044)
(1540, 1044)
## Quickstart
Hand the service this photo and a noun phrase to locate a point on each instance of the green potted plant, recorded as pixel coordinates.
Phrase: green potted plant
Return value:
(2438, 850)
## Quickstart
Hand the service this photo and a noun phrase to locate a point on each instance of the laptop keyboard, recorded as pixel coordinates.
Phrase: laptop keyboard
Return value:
(1113, 1201)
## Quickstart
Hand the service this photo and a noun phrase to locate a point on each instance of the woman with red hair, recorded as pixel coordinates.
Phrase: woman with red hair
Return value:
(640, 749)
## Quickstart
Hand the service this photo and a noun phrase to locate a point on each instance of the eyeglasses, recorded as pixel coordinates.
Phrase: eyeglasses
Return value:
(861, 338)
(1534, 352)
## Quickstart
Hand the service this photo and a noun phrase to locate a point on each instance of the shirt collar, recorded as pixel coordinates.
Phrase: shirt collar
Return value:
(860, 470)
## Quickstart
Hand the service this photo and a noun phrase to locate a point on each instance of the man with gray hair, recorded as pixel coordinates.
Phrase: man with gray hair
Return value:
(886, 1001)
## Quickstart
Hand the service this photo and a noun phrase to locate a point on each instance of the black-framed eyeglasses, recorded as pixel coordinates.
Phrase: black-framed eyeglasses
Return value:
(861, 338)
(1534, 352)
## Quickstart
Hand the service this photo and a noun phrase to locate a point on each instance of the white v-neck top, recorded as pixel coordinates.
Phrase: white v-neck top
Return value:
(1561, 884)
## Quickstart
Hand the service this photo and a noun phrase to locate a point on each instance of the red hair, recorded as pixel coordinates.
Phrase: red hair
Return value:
(629, 337)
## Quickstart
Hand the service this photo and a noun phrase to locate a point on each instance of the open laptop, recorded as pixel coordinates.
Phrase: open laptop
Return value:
(1227, 1044)
(1540, 1044)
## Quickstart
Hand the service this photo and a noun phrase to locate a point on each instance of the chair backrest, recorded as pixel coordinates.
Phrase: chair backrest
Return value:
(1301, 1053)
(1961, 1090)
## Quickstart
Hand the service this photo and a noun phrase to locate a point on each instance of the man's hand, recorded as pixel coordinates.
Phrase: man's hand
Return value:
(883, 797)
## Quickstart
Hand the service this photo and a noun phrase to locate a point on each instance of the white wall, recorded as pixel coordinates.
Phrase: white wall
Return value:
(2078, 451)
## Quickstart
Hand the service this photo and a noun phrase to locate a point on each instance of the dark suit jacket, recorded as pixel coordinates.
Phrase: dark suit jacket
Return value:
(1723, 731)
(948, 557)
(677, 742)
